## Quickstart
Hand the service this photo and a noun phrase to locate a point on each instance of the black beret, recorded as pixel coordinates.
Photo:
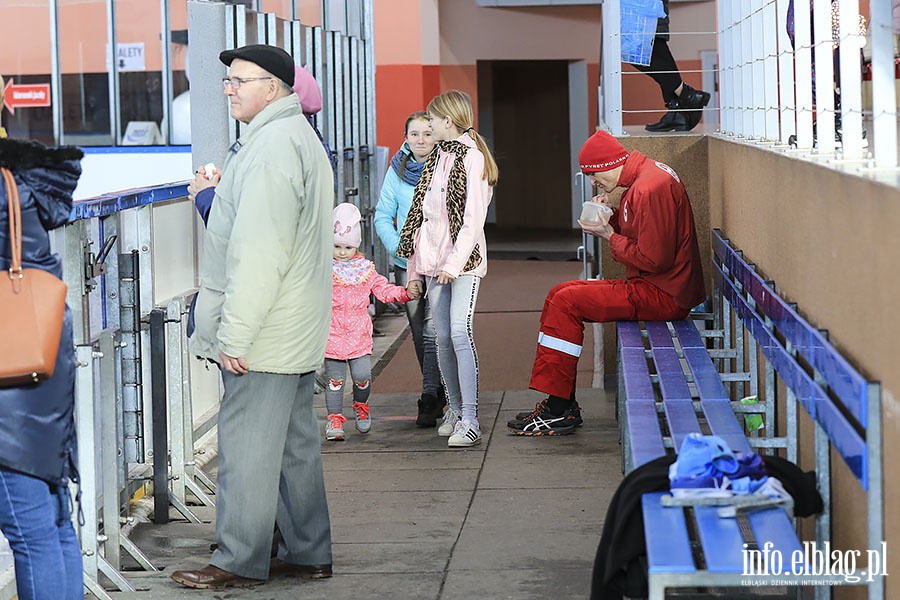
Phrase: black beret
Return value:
(271, 58)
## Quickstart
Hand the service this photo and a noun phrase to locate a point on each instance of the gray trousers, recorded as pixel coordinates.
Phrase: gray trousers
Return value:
(270, 467)
(336, 380)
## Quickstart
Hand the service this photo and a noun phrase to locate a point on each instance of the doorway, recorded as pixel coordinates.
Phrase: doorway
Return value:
(524, 111)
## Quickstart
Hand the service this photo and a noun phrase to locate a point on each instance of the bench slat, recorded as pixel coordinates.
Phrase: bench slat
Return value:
(706, 378)
(636, 375)
(629, 333)
(665, 531)
(672, 381)
(721, 539)
(773, 525)
(725, 424)
(659, 334)
(643, 432)
(682, 420)
(687, 333)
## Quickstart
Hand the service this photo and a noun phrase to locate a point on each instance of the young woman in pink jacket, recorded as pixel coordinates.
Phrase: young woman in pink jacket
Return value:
(443, 238)
(350, 340)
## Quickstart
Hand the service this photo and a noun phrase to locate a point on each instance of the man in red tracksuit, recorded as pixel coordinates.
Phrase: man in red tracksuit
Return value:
(653, 235)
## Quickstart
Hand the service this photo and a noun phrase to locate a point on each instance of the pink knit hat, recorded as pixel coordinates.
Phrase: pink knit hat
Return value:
(347, 231)
(601, 152)
(307, 89)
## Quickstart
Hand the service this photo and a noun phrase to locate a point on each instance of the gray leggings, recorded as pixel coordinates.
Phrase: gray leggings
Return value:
(335, 376)
(452, 307)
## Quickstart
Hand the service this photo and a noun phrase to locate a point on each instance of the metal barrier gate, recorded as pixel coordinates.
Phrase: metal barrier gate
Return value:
(131, 265)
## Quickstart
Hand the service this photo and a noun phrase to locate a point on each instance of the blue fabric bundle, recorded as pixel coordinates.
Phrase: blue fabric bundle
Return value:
(706, 461)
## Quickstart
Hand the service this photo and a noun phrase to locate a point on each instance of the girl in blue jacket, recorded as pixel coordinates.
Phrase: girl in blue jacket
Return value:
(390, 215)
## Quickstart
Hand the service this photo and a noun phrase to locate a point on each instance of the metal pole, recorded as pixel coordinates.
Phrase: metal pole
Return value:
(884, 92)
(109, 449)
(55, 74)
(115, 120)
(160, 437)
(166, 30)
(610, 92)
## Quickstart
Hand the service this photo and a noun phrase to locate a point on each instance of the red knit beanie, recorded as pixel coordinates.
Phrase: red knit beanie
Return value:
(601, 152)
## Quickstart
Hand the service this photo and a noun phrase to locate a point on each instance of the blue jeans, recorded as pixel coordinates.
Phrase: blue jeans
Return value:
(422, 331)
(36, 518)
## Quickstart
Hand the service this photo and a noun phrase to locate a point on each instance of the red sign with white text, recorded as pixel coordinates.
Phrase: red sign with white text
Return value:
(26, 95)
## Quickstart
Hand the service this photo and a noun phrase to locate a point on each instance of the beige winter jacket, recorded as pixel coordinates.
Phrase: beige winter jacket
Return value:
(265, 290)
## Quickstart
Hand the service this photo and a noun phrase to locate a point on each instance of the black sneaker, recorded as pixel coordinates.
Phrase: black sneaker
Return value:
(543, 423)
(574, 412)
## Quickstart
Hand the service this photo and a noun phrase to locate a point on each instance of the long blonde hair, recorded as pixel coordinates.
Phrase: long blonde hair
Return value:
(457, 105)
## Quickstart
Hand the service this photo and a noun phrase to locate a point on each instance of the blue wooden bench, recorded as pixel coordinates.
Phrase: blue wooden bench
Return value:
(676, 378)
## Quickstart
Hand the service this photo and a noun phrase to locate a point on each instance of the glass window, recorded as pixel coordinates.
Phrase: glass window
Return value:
(26, 68)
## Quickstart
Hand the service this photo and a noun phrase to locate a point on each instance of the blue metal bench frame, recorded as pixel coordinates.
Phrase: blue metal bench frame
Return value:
(671, 383)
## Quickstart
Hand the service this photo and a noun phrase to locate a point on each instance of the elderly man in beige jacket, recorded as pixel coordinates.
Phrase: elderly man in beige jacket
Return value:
(262, 314)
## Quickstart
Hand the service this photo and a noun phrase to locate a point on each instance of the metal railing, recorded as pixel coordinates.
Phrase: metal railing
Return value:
(782, 93)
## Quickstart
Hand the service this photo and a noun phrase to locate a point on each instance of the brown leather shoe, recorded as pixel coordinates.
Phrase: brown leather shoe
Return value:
(280, 568)
(212, 577)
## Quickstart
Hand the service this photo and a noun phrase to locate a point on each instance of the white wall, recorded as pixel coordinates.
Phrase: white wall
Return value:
(106, 170)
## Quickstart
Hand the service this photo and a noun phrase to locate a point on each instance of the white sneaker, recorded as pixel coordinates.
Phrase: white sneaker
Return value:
(466, 433)
(451, 418)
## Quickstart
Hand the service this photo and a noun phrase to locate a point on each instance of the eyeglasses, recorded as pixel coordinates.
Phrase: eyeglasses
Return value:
(237, 82)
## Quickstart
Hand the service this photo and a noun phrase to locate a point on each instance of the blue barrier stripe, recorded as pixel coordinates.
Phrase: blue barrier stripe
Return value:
(109, 204)
(681, 419)
(721, 539)
(636, 375)
(672, 381)
(725, 424)
(845, 381)
(849, 444)
(659, 335)
(794, 377)
(687, 333)
(136, 149)
(665, 531)
(630, 334)
(845, 439)
(643, 432)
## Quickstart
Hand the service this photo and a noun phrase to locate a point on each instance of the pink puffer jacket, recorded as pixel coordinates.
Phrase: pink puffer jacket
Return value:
(351, 325)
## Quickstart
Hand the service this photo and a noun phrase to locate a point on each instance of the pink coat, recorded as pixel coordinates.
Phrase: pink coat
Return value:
(434, 250)
(351, 326)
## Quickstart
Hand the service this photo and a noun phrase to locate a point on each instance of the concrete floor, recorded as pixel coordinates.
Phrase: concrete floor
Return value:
(411, 519)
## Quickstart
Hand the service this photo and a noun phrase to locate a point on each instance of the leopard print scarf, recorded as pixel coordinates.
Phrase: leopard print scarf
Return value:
(456, 201)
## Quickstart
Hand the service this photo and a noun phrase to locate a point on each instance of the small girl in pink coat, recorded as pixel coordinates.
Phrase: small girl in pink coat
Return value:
(350, 341)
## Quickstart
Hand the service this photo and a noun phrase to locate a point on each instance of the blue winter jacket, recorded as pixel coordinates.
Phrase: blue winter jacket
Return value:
(37, 427)
(392, 208)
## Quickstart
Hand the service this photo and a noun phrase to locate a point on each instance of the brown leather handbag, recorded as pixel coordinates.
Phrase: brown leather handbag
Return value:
(32, 309)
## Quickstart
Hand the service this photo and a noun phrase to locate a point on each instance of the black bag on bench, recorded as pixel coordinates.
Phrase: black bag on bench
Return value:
(620, 566)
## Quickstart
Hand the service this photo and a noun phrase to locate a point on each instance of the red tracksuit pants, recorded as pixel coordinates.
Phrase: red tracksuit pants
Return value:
(572, 303)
